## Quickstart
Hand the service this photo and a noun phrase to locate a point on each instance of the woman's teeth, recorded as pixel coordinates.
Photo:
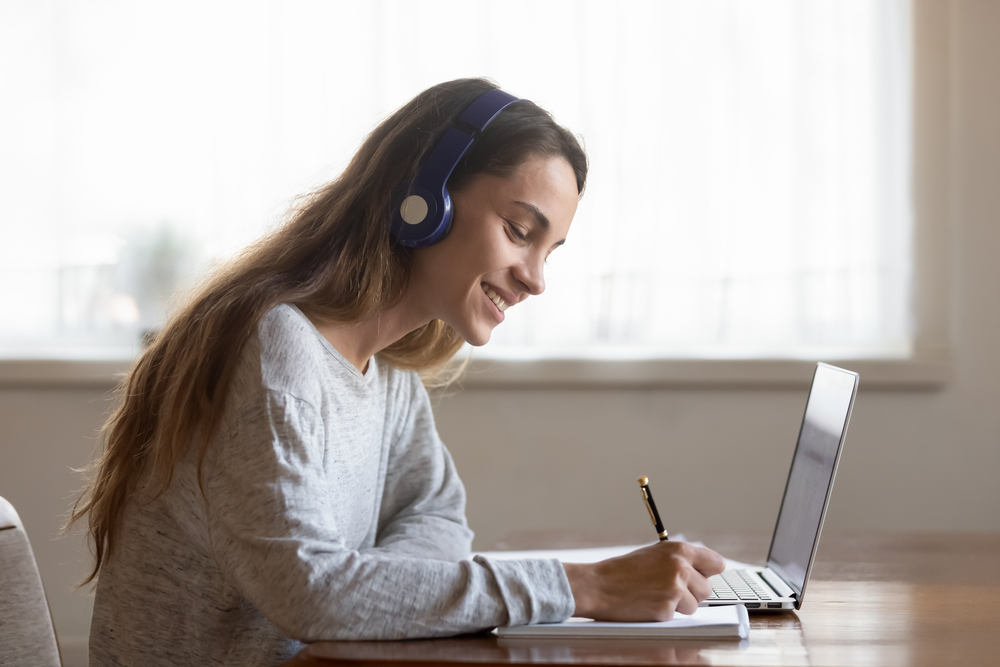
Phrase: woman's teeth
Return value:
(495, 298)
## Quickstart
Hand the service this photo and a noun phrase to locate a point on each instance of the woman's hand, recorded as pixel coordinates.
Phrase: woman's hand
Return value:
(649, 584)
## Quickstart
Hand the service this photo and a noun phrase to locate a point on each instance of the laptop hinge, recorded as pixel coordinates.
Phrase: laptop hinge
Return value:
(776, 582)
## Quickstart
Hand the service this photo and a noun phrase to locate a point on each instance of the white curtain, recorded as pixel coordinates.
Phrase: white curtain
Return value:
(749, 192)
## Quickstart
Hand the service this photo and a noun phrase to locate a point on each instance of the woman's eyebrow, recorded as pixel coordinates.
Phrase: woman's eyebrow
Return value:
(540, 218)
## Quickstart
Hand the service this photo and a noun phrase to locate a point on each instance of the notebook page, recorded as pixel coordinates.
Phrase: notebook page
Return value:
(727, 621)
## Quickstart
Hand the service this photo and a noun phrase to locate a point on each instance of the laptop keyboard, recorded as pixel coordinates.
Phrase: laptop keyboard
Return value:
(737, 585)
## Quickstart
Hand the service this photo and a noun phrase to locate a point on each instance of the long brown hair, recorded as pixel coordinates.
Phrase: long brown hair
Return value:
(335, 259)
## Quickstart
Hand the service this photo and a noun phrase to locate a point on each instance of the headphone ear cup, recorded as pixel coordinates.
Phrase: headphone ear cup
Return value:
(414, 210)
(417, 216)
(448, 214)
(429, 185)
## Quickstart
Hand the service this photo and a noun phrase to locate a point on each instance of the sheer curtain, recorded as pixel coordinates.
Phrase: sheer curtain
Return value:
(749, 192)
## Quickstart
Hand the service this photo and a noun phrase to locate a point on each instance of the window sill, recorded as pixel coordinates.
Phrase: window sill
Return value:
(924, 371)
(102, 373)
(929, 369)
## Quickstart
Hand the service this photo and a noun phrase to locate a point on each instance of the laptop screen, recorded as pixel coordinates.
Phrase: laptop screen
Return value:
(810, 480)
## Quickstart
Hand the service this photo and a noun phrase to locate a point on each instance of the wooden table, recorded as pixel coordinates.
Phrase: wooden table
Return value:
(874, 599)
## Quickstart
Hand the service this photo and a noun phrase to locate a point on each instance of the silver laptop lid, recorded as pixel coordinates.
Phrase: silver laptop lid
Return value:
(810, 480)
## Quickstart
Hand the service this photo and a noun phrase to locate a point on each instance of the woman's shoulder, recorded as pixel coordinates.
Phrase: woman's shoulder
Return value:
(283, 355)
(291, 351)
(288, 355)
(284, 324)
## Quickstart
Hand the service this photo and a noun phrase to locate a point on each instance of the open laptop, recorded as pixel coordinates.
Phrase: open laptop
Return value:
(781, 584)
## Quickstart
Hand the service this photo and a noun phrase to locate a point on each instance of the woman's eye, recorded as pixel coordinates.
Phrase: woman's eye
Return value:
(516, 232)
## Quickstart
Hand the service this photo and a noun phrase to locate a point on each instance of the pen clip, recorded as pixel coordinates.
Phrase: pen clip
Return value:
(645, 499)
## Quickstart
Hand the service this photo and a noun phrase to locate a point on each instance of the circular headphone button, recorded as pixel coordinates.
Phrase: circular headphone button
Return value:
(413, 210)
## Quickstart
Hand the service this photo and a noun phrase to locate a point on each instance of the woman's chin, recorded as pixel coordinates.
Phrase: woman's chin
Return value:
(477, 337)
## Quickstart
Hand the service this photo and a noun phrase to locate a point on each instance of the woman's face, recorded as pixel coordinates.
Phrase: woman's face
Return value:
(502, 231)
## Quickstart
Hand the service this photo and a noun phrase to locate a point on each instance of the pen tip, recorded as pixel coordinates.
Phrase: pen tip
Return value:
(643, 481)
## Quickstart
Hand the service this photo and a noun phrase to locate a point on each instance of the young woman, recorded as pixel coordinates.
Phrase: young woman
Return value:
(273, 475)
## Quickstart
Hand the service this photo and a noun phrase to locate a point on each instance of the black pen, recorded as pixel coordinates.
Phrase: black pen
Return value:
(647, 496)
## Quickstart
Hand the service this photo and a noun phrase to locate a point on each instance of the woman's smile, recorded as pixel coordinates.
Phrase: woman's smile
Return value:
(497, 303)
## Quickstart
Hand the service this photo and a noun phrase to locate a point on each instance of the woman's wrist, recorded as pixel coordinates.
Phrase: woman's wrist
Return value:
(583, 582)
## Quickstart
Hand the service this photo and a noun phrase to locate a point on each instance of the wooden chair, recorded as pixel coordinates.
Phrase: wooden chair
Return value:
(27, 637)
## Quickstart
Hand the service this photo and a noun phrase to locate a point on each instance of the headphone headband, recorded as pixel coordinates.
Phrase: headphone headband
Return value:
(422, 213)
(486, 107)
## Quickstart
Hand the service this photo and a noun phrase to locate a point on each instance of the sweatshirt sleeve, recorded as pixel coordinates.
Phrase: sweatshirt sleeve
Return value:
(423, 507)
(275, 541)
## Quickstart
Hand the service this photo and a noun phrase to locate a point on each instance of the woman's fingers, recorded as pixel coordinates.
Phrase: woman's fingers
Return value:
(707, 561)
(687, 604)
(699, 586)
(688, 568)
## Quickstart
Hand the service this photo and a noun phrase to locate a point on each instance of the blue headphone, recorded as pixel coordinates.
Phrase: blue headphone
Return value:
(422, 213)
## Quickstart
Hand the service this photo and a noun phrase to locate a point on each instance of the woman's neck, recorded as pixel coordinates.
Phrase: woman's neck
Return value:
(359, 341)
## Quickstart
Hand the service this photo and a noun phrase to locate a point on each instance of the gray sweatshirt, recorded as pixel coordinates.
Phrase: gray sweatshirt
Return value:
(332, 511)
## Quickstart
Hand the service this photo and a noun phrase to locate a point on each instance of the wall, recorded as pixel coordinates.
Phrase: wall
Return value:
(717, 457)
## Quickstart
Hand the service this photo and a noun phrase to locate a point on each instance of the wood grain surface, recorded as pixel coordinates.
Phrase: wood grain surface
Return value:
(893, 599)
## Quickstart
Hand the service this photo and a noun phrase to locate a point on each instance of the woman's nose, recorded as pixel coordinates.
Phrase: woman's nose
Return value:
(531, 272)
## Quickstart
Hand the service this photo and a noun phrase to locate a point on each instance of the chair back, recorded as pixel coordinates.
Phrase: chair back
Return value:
(27, 637)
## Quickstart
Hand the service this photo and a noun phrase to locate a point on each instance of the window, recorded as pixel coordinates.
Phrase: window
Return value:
(749, 194)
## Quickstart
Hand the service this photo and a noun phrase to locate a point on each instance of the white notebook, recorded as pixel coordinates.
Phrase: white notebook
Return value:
(729, 621)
